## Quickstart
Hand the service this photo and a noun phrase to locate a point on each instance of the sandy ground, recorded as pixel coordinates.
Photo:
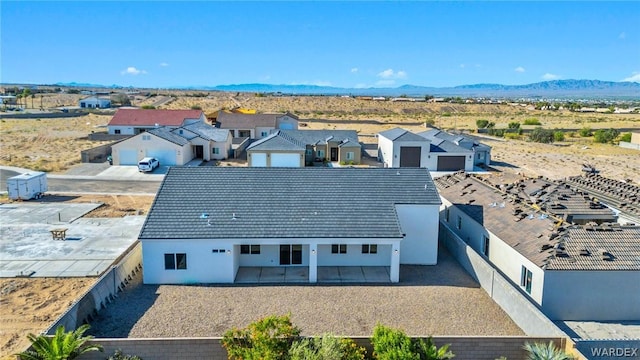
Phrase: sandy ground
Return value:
(30, 305)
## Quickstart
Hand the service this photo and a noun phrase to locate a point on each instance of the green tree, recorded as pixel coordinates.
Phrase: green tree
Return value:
(538, 351)
(541, 135)
(266, 339)
(605, 136)
(327, 347)
(61, 346)
(481, 124)
(148, 107)
(121, 99)
(392, 344)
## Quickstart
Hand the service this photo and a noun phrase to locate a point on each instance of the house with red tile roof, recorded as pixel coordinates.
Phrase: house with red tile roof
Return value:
(136, 121)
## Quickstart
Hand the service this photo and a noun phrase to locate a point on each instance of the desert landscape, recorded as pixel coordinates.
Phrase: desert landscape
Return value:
(54, 145)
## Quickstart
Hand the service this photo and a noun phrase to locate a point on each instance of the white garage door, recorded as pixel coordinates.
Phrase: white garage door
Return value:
(259, 159)
(166, 157)
(128, 157)
(285, 160)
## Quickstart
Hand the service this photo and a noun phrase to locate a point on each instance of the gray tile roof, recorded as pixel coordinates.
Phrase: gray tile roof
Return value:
(284, 202)
(208, 132)
(166, 134)
(443, 142)
(229, 120)
(393, 134)
(299, 139)
(535, 233)
(276, 141)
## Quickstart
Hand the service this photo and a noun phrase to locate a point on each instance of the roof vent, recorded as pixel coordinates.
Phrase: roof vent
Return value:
(204, 216)
(208, 222)
(397, 172)
(585, 252)
(606, 256)
(233, 216)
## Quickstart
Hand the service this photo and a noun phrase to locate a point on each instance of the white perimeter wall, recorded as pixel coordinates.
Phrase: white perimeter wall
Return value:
(501, 255)
(385, 151)
(419, 223)
(592, 295)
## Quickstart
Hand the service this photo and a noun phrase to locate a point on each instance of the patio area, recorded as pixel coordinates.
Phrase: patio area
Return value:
(300, 274)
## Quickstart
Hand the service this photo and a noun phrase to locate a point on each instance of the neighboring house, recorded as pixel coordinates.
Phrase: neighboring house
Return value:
(402, 148)
(575, 272)
(8, 100)
(481, 152)
(174, 146)
(95, 102)
(207, 222)
(255, 126)
(136, 121)
(297, 148)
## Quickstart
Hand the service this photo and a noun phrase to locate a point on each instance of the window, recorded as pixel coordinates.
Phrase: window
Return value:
(218, 251)
(146, 137)
(263, 134)
(369, 248)
(446, 214)
(320, 153)
(175, 261)
(309, 152)
(479, 155)
(250, 249)
(459, 223)
(526, 278)
(215, 151)
(117, 131)
(485, 245)
(339, 249)
(349, 155)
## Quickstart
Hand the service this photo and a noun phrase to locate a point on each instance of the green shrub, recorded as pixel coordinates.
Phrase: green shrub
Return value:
(148, 107)
(196, 107)
(541, 135)
(558, 136)
(481, 124)
(512, 136)
(269, 338)
(532, 121)
(585, 132)
(626, 137)
(392, 344)
(446, 114)
(538, 351)
(327, 347)
(429, 351)
(514, 125)
(118, 355)
(605, 136)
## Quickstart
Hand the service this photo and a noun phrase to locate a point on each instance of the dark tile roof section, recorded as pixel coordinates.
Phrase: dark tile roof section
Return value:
(299, 139)
(276, 141)
(166, 134)
(393, 134)
(618, 194)
(253, 203)
(143, 117)
(208, 132)
(538, 235)
(443, 142)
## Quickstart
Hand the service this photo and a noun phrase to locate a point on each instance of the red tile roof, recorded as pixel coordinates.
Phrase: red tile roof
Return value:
(143, 117)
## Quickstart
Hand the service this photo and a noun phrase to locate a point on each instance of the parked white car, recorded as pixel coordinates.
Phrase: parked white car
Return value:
(148, 164)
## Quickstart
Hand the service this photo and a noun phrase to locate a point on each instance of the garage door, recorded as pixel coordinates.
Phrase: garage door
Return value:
(166, 157)
(450, 163)
(258, 159)
(409, 156)
(127, 157)
(285, 160)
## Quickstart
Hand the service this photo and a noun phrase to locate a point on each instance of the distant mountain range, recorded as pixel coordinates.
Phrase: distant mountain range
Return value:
(576, 89)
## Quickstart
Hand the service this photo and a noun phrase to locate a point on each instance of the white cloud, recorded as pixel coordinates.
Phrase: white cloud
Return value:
(549, 76)
(519, 69)
(635, 77)
(164, 64)
(390, 74)
(132, 70)
(622, 35)
(354, 70)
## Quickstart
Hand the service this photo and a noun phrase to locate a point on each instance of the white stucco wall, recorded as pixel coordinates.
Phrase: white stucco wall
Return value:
(286, 122)
(124, 130)
(592, 295)
(385, 151)
(203, 265)
(354, 256)
(419, 223)
(183, 153)
(501, 255)
(260, 130)
(389, 151)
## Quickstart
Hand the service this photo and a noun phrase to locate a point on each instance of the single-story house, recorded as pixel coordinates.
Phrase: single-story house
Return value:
(95, 102)
(136, 121)
(580, 272)
(297, 148)
(174, 146)
(402, 148)
(255, 126)
(8, 100)
(481, 152)
(200, 230)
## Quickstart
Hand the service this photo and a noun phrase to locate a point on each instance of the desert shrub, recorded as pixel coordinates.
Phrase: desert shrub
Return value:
(269, 338)
(558, 136)
(327, 347)
(446, 114)
(538, 351)
(148, 107)
(585, 132)
(532, 121)
(481, 124)
(514, 125)
(605, 136)
(626, 137)
(541, 135)
(118, 355)
(512, 136)
(496, 132)
(570, 134)
(196, 107)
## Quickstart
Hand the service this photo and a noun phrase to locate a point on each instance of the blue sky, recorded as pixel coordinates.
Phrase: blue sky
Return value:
(343, 44)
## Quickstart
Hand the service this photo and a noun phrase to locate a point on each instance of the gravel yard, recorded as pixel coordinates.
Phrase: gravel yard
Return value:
(429, 300)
